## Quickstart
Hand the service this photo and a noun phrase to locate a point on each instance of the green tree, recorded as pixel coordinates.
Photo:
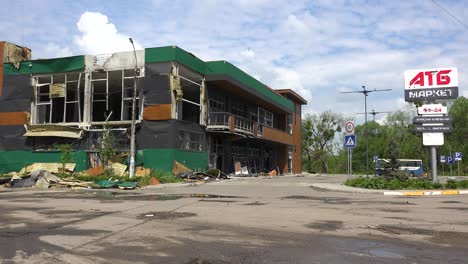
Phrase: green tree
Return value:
(318, 133)
(457, 140)
(106, 150)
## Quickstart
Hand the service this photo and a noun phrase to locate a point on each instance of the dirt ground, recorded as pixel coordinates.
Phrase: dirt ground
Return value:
(252, 220)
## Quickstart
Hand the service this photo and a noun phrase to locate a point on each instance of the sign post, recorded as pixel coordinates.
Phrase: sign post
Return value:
(443, 160)
(350, 142)
(458, 158)
(431, 85)
(450, 161)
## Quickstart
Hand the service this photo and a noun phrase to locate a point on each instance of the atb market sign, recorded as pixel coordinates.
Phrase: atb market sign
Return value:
(431, 84)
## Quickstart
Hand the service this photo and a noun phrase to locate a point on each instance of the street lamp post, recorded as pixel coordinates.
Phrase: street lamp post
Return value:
(131, 169)
(366, 92)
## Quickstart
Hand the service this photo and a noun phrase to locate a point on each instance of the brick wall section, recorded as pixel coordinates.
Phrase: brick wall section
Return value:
(297, 151)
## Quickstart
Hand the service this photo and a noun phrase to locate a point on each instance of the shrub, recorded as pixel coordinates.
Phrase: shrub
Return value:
(400, 184)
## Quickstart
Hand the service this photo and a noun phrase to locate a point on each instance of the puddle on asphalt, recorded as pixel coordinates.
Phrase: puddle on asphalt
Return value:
(326, 225)
(402, 230)
(455, 208)
(110, 196)
(206, 261)
(164, 215)
(255, 203)
(329, 200)
(218, 201)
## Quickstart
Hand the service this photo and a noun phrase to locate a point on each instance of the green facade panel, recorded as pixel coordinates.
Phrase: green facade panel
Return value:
(174, 53)
(163, 159)
(67, 64)
(16, 160)
(226, 68)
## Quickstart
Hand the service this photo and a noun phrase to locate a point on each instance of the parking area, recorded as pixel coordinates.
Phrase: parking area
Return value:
(249, 220)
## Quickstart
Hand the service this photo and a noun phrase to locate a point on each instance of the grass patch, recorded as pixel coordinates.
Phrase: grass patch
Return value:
(399, 184)
(165, 177)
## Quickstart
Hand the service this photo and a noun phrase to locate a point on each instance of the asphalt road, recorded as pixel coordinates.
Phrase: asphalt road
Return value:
(261, 220)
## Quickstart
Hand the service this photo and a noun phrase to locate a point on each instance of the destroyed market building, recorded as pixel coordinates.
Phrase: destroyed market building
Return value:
(199, 113)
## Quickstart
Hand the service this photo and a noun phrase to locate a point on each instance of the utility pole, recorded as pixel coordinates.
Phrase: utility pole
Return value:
(365, 93)
(373, 113)
(131, 170)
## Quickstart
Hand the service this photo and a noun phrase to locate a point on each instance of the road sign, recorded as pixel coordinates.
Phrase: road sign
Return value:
(350, 141)
(432, 109)
(458, 156)
(432, 119)
(433, 139)
(429, 129)
(450, 160)
(442, 159)
(441, 83)
(349, 126)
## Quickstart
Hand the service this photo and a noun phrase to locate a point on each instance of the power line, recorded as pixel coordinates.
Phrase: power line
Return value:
(450, 14)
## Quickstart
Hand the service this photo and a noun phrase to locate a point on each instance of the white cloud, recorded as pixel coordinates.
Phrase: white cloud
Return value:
(98, 36)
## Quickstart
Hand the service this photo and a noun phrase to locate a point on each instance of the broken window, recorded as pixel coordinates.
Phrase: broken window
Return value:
(238, 109)
(265, 117)
(217, 104)
(188, 140)
(112, 95)
(58, 98)
(189, 84)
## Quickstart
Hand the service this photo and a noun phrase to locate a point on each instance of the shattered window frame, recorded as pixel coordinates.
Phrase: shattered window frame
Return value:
(44, 110)
(189, 140)
(265, 117)
(217, 104)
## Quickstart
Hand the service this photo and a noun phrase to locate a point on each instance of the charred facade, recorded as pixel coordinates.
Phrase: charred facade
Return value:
(201, 114)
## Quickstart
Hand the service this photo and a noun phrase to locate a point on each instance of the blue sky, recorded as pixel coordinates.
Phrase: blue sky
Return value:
(317, 48)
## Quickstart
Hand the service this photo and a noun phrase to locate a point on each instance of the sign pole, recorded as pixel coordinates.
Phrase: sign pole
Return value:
(349, 171)
(458, 165)
(434, 163)
(351, 161)
(443, 169)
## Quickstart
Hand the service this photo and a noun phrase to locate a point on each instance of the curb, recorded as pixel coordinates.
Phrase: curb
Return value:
(427, 193)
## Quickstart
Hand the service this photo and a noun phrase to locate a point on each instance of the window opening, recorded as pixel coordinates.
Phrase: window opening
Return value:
(265, 117)
(190, 140)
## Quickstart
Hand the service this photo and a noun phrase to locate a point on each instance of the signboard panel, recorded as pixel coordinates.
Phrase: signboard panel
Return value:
(432, 129)
(442, 159)
(432, 84)
(432, 119)
(432, 93)
(350, 141)
(431, 78)
(433, 139)
(349, 126)
(450, 160)
(432, 109)
(458, 156)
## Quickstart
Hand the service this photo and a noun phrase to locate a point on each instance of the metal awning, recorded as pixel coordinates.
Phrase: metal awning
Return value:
(52, 131)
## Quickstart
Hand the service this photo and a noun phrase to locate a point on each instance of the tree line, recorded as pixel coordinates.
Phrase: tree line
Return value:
(323, 151)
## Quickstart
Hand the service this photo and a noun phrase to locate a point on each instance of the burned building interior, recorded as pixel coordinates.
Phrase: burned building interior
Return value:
(200, 114)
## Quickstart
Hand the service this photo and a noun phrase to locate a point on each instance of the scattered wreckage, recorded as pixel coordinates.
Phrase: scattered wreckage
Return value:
(58, 175)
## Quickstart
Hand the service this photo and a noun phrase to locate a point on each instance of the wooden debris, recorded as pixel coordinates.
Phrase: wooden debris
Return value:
(141, 172)
(179, 167)
(52, 167)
